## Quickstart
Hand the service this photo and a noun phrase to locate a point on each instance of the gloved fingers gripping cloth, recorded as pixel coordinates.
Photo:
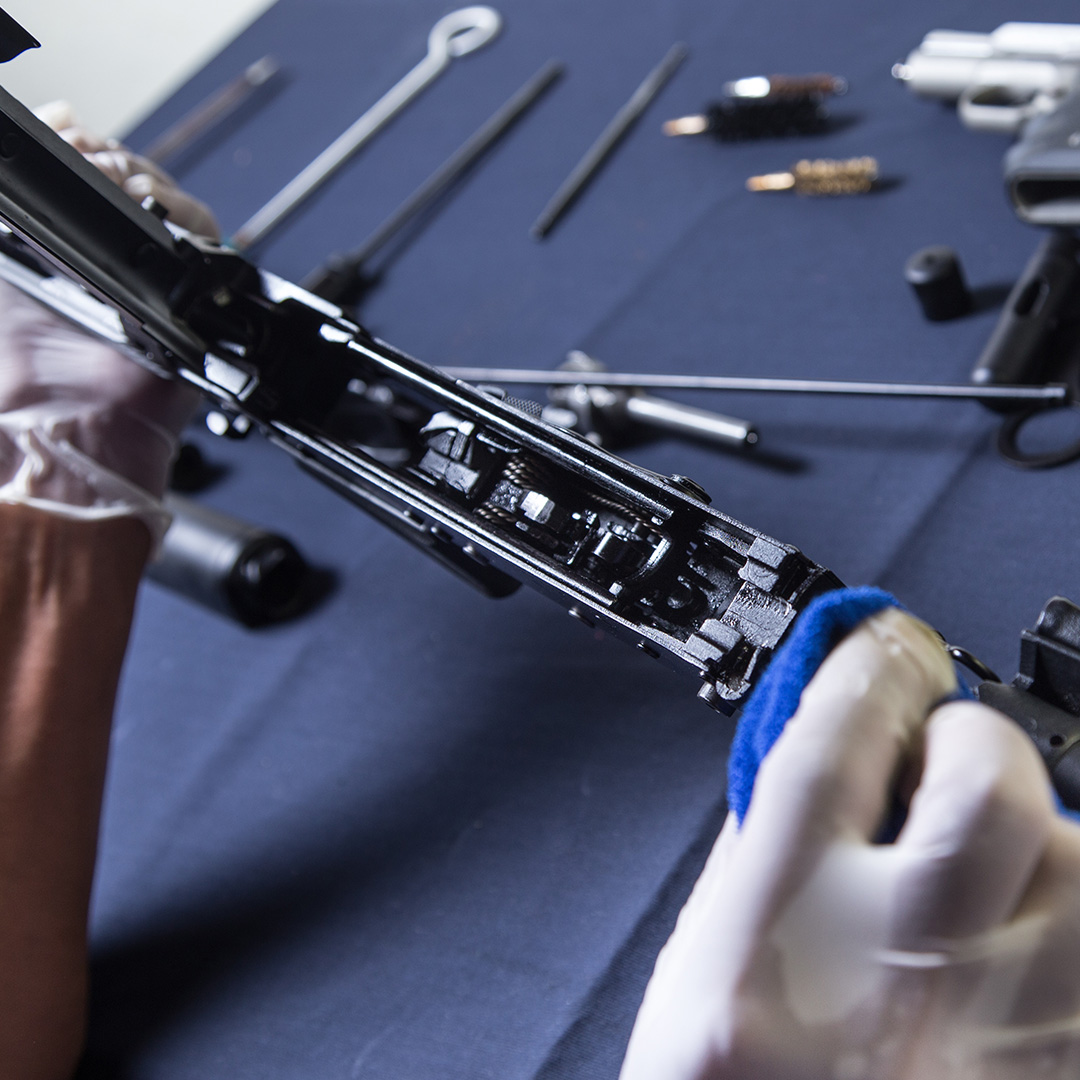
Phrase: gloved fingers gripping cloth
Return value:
(808, 950)
(776, 697)
(84, 432)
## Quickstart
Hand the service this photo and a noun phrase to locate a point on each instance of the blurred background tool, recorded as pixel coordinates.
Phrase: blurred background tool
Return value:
(231, 566)
(343, 279)
(616, 417)
(609, 138)
(454, 35)
(822, 176)
(218, 107)
(764, 107)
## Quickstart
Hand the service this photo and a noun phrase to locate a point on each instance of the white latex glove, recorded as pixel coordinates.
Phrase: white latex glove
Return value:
(807, 951)
(84, 431)
(138, 176)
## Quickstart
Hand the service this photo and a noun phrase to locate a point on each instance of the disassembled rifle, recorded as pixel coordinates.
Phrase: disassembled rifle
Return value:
(490, 490)
(494, 493)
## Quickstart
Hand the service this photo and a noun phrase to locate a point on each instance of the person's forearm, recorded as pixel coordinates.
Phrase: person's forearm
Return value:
(67, 589)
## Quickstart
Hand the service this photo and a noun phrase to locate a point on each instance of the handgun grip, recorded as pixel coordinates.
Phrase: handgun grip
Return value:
(1014, 352)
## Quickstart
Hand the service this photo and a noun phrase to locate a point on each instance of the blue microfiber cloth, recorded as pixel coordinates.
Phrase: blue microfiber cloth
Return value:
(818, 629)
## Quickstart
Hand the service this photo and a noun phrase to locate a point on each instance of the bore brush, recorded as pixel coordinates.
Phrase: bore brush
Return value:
(761, 107)
(824, 176)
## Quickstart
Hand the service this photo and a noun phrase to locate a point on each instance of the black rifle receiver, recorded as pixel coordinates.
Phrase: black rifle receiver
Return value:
(1044, 698)
(493, 492)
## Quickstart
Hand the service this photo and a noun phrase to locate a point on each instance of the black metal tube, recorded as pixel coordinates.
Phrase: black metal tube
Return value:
(229, 565)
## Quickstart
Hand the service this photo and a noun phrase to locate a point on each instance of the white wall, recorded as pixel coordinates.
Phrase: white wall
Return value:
(94, 52)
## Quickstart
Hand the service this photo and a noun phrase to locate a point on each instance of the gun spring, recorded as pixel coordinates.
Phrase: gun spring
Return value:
(632, 517)
(496, 515)
(527, 472)
(523, 472)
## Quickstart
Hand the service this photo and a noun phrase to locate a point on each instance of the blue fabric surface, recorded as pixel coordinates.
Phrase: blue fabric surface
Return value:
(423, 834)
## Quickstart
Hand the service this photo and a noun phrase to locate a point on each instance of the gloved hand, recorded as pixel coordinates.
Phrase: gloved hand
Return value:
(138, 176)
(808, 951)
(84, 431)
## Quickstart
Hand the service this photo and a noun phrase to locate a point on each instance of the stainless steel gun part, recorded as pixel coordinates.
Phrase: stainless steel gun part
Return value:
(612, 417)
(999, 80)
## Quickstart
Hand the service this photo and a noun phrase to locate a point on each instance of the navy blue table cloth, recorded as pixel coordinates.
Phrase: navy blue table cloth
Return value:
(419, 833)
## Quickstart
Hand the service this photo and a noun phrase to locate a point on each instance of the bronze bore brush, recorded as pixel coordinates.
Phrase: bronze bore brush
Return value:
(851, 176)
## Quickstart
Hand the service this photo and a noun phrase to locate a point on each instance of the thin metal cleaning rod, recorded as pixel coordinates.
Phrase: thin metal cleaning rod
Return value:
(1053, 392)
(462, 159)
(454, 35)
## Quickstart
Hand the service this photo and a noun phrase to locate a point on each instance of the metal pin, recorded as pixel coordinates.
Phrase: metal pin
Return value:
(611, 136)
(686, 420)
(686, 125)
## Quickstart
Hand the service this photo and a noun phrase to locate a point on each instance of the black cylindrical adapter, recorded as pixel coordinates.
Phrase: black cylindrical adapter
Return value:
(230, 566)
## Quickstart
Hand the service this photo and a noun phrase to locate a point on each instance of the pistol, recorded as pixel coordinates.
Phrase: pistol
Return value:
(1021, 79)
